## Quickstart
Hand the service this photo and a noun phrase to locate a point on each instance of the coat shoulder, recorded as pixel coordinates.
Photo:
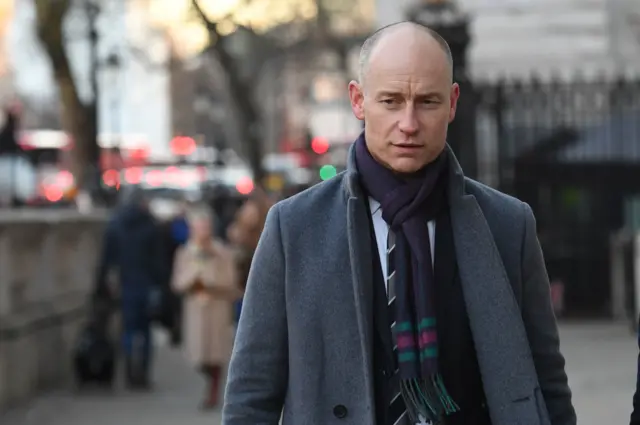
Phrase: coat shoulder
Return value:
(505, 215)
(314, 201)
(493, 201)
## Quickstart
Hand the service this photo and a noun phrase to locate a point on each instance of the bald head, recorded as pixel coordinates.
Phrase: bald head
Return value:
(403, 38)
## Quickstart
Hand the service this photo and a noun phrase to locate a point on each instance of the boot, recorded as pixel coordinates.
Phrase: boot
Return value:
(142, 378)
(211, 398)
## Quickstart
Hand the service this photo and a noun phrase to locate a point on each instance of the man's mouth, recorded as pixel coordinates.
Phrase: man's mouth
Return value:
(407, 145)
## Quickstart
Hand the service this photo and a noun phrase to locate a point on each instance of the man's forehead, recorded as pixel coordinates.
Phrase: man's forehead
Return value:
(407, 40)
(409, 55)
(417, 72)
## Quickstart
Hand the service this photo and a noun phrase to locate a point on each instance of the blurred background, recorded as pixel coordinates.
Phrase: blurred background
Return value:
(223, 102)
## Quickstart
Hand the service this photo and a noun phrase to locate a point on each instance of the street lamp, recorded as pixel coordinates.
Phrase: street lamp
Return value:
(452, 23)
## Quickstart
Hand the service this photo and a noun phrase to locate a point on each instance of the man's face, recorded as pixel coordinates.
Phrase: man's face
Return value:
(407, 101)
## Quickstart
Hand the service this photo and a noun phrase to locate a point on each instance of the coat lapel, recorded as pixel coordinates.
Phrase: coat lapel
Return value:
(499, 334)
(360, 252)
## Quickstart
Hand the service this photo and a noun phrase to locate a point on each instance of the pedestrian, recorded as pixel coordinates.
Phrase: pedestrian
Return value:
(205, 273)
(133, 245)
(399, 292)
(246, 228)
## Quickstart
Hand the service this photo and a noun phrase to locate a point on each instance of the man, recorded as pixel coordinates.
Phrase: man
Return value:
(132, 243)
(399, 292)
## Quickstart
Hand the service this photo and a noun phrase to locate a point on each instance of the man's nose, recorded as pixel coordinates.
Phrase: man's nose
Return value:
(408, 123)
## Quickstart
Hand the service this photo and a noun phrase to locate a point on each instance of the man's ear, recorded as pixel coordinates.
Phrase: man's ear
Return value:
(455, 95)
(356, 97)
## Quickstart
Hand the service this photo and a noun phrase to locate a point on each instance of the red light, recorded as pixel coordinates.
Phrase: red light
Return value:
(133, 175)
(245, 185)
(53, 193)
(138, 153)
(183, 146)
(319, 145)
(64, 179)
(111, 178)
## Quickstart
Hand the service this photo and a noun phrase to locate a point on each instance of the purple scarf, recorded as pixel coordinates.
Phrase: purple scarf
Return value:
(408, 203)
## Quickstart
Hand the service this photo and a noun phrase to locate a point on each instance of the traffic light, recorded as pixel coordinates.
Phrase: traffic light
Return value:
(319, 145)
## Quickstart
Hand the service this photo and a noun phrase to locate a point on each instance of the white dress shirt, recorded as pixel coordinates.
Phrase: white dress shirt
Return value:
(381, 228)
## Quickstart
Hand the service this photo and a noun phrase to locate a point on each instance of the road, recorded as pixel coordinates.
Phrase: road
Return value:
(601, 361)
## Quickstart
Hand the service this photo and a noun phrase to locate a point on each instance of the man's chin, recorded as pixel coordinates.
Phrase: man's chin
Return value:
(406, 165)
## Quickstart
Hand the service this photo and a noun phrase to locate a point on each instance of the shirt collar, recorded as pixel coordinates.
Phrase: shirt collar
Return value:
(374, 205)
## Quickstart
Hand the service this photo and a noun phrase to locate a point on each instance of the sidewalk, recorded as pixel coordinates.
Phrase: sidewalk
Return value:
(178, 391)
(601, 363)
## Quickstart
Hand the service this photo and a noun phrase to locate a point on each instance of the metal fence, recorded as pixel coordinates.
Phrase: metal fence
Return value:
(571, 149)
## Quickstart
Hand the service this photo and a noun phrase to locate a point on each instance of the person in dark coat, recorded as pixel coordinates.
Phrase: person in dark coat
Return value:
(132, 243)
(175, 233)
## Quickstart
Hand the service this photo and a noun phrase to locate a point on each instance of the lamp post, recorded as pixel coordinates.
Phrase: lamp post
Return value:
(448, 20)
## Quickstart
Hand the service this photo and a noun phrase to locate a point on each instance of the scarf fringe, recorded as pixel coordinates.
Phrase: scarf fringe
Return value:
(427, 398)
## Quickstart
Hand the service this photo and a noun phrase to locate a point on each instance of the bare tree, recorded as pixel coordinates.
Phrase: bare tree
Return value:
(313, 35)
(78, 117)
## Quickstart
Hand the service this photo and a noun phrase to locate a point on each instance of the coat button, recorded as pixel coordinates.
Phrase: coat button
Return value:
(340, 411)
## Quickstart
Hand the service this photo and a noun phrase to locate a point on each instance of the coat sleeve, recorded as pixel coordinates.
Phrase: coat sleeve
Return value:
(184, 273)
(222, 275)
(542, 330)
(258, 371)
(108, 259)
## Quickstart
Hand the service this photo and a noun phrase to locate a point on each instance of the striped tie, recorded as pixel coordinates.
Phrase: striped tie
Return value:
(397, 411)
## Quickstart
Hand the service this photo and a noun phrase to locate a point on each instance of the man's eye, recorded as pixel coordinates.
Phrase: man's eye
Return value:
(388, 101)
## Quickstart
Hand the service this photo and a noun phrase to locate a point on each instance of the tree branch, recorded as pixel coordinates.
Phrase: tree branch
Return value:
(240, 92)
(50, 29)
(78, 118)
(212, 26)
(240, 87)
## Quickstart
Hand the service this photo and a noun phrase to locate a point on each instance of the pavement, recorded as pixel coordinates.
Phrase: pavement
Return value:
(601, 364)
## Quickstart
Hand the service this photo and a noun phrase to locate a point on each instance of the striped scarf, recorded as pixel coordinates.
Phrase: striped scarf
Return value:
(408, 204)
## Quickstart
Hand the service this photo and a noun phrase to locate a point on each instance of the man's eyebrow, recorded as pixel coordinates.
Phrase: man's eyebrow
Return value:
(391, 93)
(383, 93)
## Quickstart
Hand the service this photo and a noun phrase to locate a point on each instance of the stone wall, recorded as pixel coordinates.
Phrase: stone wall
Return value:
(47, 268)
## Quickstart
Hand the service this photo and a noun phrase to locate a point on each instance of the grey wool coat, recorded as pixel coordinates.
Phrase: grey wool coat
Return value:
(303, 349)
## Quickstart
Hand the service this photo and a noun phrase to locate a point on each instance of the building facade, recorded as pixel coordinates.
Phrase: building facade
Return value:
(518, 37)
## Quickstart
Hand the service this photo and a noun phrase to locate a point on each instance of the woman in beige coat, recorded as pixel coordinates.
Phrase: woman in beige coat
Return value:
(204, 272)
